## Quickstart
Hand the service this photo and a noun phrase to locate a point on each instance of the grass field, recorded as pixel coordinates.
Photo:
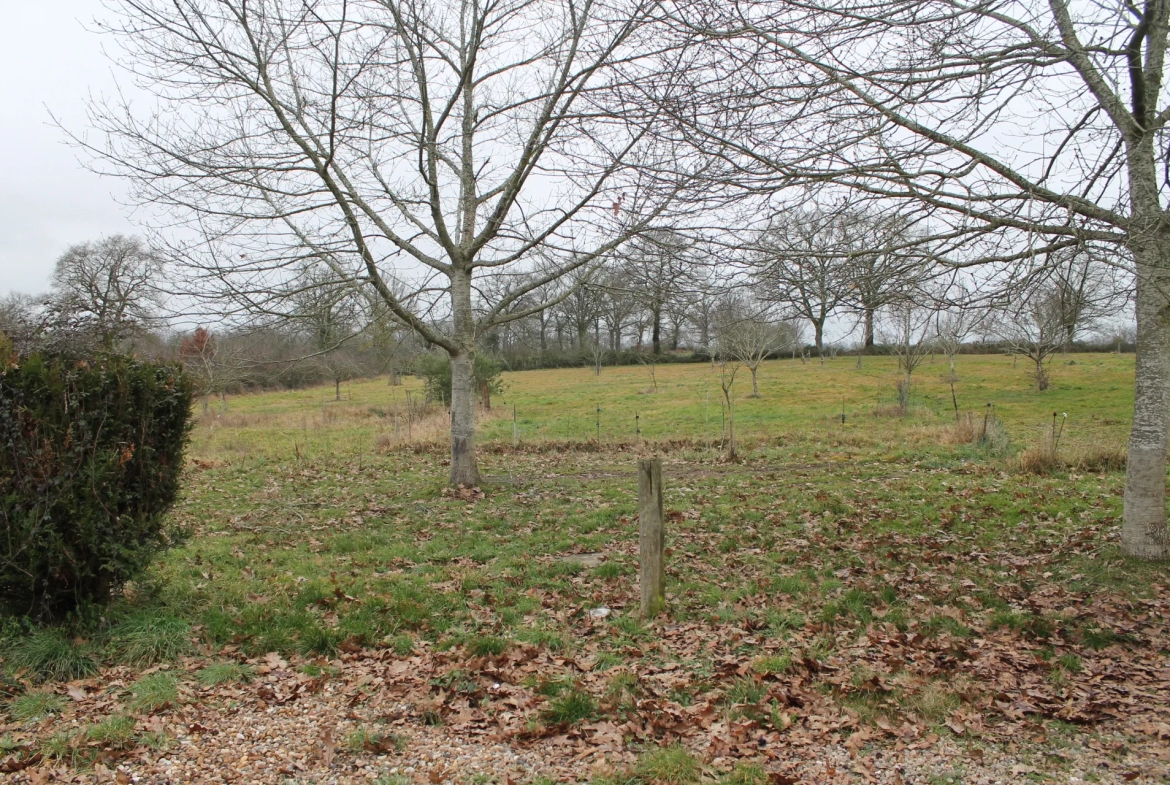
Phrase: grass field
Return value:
(892, 570)
(1096, 391)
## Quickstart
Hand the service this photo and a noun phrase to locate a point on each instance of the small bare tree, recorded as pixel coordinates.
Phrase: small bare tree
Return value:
(910, 343)
(748, 334)
(953, 325)
(1036, 329)
(728, 368)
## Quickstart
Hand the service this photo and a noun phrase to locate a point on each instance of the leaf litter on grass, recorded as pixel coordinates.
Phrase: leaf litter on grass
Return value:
(831, 604)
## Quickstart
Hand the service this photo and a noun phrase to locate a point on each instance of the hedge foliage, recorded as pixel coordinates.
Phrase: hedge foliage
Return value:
(435, 371)
(90, 455)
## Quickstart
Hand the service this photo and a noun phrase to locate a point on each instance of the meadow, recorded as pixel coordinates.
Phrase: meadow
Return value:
(883, 579)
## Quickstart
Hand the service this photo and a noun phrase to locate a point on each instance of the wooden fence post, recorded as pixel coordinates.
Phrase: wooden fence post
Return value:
(651, 537)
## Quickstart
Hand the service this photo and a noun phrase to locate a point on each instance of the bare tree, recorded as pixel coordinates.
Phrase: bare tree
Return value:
(879, 269)
(954, 323)
(112, 282)
(1035, 328)
(656, 272)
(618, 304)
(921, 103)
(1083, 287)
(748, 334)
(804, 262)
(728, 368)
(410, 141)
(910, 342)
(214, 367)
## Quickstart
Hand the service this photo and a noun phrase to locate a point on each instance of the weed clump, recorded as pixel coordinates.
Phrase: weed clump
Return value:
(224, 673)
(35, 705)
(673, 765)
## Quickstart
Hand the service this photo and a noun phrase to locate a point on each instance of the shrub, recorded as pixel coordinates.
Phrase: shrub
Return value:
(435, 371)
(92, 452)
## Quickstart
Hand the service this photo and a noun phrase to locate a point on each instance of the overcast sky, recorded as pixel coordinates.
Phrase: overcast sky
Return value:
(48, 201)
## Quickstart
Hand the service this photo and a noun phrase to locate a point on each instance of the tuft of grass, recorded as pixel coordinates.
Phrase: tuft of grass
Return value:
(746, 690)
(487, 646)
(366, 740)
(608, 571)
(1071, 663)
(1097, 637)
(51, 655)
(35, 705)
(402, 644)
(116, 730)
(772, 664)
(745, 774)
(224, 673)
(154, 691)
(673, 765)
(68, 747)
(148, 638)
(934, 702)
(1039, 460)
(570, 707)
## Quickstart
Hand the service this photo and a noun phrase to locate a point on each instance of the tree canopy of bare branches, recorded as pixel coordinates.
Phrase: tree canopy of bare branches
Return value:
(1015, 129)
(112, 282)
(411, 147)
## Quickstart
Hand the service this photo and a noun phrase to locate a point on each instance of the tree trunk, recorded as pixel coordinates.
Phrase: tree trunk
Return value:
(755, 387)
(543, 334)
(337, 389)
(1143, 531)
(656, 333)
(464, 470)
(869, 328)
(819, 337)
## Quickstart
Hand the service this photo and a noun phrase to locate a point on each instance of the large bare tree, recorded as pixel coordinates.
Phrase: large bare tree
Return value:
(805, 260)
(111, 282)
(1020, 127)
(408, 146)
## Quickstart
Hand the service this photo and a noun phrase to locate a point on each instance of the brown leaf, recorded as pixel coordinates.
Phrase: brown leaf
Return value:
(328, 748)
(15, 764)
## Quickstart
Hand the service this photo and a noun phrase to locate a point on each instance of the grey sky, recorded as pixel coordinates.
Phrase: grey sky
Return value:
(48, 201)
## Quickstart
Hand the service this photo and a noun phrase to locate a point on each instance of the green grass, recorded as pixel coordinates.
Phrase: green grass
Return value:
(315, 529)
(35, 705)
(145, 638)
(154, 692)
(51, 654)
(224, 673)
(569, 707)
(115, 730)
(673, 765)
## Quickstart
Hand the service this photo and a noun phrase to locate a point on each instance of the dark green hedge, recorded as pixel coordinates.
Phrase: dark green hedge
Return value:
(90, 455)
